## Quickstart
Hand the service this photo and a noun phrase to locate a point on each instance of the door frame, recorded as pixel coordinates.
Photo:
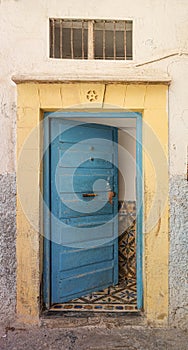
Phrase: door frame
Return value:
(46, 195)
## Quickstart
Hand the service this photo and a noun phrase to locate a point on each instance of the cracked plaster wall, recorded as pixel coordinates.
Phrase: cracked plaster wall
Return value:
(24, 49)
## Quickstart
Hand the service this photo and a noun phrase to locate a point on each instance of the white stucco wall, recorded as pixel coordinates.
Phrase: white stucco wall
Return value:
(160, 36)
(127, 164)
(160, 29)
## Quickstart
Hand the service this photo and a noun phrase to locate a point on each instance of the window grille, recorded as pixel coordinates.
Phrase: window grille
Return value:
(91, 39)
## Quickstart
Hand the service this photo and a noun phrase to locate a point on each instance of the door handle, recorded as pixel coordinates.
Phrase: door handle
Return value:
(89, 195)
(111, 195)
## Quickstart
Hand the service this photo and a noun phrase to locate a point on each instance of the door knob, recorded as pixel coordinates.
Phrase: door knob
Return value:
(111, 195)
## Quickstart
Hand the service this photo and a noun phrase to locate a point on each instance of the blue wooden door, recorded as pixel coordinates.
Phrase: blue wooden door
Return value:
(84, 208)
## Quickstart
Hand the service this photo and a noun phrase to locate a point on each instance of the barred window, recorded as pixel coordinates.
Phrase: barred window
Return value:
(90, 39)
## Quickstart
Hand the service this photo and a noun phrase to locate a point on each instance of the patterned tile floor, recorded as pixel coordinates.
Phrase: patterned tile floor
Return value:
(122, 297)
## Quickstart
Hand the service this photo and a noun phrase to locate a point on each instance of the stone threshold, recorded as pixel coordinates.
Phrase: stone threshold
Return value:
(70, 319)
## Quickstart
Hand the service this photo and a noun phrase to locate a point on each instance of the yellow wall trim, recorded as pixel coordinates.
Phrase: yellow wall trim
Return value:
(151, 100)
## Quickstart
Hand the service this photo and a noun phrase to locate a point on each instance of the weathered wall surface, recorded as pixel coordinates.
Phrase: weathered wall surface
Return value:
(24, 49)
(7, 245)
(178, 251)
(178, 148)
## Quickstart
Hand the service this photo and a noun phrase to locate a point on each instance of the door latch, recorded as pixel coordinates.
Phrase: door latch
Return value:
(89, 195)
